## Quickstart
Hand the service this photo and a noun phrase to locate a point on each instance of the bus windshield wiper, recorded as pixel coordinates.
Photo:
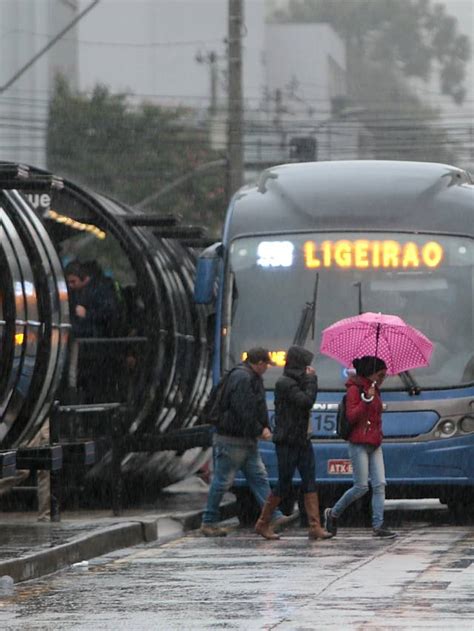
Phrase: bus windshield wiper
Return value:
(358, 284)
(307, 319)
(409, 382)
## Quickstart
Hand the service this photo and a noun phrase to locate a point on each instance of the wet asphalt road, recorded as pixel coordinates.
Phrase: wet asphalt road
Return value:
(424, 579)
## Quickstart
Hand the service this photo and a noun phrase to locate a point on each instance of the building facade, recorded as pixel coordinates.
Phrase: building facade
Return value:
(174, 53)
(26, 28)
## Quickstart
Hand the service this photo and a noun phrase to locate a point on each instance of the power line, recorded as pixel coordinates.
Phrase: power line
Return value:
(249, 99)
(168, 44)
(49, 45)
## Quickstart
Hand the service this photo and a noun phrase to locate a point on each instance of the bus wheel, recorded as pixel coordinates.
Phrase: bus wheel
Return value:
(248, 509)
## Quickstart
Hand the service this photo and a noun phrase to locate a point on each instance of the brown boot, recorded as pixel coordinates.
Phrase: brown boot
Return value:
(263, 526)
(311, 503)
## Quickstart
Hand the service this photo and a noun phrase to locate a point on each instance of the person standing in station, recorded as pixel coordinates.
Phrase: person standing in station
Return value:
(95, 313)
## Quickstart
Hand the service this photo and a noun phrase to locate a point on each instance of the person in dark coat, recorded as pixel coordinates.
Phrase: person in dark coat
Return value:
(95, 308)
(364, 413)
(244, 419)
(95, 313)
(295, 394)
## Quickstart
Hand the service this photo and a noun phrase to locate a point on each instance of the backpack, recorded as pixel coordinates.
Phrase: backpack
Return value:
(343, 427)
(214, 406)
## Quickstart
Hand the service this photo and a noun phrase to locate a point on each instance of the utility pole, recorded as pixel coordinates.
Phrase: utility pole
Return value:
(211, 59)
(213, 66)
(234, 129)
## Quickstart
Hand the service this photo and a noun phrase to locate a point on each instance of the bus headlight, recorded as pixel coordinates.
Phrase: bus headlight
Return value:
(467, 424)
(447, 428)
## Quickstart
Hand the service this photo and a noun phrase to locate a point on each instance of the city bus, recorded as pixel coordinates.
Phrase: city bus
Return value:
(312, 243)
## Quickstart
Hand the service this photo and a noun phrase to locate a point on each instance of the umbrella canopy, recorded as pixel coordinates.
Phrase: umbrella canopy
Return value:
(401, 346)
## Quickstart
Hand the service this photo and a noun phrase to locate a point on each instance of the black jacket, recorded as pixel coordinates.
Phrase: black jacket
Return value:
(102, 309)
(244, 405)
(295, 394)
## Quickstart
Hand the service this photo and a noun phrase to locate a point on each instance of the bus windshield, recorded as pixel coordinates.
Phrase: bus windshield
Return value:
(425, 279)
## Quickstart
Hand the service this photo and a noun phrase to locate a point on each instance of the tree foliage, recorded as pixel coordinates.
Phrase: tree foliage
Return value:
(390, 42)
(414, 36)
(129, 153)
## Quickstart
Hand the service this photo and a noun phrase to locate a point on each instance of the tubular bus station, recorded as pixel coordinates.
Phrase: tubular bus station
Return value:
(152, 369)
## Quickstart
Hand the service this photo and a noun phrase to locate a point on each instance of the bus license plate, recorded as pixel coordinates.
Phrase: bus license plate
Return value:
(339, 467)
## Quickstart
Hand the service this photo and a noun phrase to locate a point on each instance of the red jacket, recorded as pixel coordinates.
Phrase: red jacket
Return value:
(365, 418)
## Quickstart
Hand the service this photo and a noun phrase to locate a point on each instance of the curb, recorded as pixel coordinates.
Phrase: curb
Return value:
(80, 549)
(103, 541)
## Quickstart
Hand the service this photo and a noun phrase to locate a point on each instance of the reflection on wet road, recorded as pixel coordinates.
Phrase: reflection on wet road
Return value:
(421, 580)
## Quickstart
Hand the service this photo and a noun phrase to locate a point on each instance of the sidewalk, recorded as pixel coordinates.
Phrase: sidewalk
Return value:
(30, 549)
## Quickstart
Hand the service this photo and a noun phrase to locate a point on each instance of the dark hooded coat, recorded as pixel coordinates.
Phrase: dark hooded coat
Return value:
(295, 394)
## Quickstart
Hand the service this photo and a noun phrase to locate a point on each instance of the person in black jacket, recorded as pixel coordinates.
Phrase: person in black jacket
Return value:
(295, 394)
(244, 419)
(95, 308)
(95, 313)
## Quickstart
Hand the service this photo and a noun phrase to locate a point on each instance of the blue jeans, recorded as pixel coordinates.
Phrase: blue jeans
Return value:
(231, 454)
(367, 460)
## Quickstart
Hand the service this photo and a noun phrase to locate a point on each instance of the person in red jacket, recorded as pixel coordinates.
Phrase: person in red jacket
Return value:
(364, 413)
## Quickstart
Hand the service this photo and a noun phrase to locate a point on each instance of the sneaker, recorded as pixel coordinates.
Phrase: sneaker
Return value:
(209, 530)
(383, 532)
(330, 522)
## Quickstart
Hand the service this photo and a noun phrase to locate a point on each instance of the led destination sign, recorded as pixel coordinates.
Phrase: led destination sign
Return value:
(351, 254)
(370, 254)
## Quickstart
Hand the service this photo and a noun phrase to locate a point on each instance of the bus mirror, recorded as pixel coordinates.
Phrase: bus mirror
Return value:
(206, 274)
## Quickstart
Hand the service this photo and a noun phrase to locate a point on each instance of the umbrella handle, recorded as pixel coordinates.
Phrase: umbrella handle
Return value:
(376, 344)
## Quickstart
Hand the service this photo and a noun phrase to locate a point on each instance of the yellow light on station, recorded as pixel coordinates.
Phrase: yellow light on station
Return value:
(19, 339)
(76, 225)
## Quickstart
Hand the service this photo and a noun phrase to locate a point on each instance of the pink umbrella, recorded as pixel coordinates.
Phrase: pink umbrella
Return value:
(401, 346)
